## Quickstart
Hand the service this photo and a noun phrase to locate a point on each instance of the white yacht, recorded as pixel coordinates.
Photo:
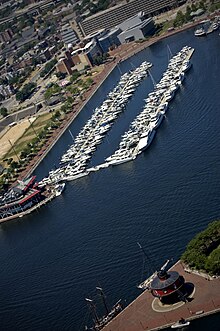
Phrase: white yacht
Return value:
(180, 324)
(200, 32)
(59, 188)
(76, 176)
(121, 160)
(145, 142)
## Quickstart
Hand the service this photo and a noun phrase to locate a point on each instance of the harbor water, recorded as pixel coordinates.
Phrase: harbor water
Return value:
(54, 258)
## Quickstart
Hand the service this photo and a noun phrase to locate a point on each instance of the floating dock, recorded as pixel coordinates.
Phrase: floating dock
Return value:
(139, 315)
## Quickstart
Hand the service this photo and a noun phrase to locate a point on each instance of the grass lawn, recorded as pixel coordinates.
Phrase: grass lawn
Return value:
(28, 135)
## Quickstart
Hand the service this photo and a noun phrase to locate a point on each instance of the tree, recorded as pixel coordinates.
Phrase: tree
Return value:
(202, 5)
(203, 252)
(48, 67)
(54, 89)
(3, 111)
(73, 89)
(180, 19)
(25, 92)
(194, 7)
(56, 116)
(213, 262)
(188, 17)
(89, 81)
(60, 75)
(74, 76)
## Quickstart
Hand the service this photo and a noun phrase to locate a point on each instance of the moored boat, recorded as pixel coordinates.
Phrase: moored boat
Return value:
(180, 324)
(145, 142)
(200, 32)
(59, 188)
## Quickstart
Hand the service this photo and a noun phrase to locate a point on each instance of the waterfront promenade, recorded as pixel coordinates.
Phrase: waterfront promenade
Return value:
(120, 54)
(139, 315)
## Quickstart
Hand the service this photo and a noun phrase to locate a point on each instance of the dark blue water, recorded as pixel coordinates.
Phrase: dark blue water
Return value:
(53, 259)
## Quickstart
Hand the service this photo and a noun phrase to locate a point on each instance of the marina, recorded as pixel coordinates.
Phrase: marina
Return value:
(56, 256)
(142, 130)
(73, 162)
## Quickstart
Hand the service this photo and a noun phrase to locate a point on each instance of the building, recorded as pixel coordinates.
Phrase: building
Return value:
(68, 35)
(6, 35)
(87, 52)
(110, 39)
(64, 66)
(168, 287)
(28, 32)
(119, 13)
(136, 28)
(19, 198)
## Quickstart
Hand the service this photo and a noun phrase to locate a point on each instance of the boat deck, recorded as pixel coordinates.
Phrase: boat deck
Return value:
(139, 315)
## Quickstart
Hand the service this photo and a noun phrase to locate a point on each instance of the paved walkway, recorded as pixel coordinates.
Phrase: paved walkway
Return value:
(139, 315)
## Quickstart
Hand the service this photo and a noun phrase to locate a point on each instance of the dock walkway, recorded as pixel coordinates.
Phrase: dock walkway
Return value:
(139, 315)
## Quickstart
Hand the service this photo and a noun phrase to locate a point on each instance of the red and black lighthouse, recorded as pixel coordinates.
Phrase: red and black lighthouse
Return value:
(168, 286)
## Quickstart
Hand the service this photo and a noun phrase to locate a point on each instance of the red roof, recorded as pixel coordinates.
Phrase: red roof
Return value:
(29, 196)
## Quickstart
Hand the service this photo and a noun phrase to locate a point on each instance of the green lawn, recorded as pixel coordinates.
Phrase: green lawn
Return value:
(28, 135)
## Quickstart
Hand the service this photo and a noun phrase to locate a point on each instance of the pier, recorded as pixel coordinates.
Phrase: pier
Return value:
(139, 314)
(30, 210)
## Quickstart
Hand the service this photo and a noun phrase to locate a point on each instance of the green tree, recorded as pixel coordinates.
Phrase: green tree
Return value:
(75, 76)
(188, 17)
(180, 19)
(203, 252)
(194, 7)
(212, 264)
(54, 89)
(48, 67)
(14, 165)
(3, 111)
(25, 92)
(56, 116)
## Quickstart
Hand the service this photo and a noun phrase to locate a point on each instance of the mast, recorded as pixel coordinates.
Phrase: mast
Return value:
(71, 134)
(152, 265)
(152, 78)
(93, 309)
(103, 299)
(170, 54)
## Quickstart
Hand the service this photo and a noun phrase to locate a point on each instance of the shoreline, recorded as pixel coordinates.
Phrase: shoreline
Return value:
(120, 57)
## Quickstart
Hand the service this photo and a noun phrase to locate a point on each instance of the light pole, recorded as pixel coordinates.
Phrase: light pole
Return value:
(14, 151)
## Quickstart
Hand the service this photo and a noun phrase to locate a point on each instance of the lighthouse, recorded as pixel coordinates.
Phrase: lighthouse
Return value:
(168, 286)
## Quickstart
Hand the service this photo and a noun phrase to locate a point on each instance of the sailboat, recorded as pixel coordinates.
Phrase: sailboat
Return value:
(99, 323)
